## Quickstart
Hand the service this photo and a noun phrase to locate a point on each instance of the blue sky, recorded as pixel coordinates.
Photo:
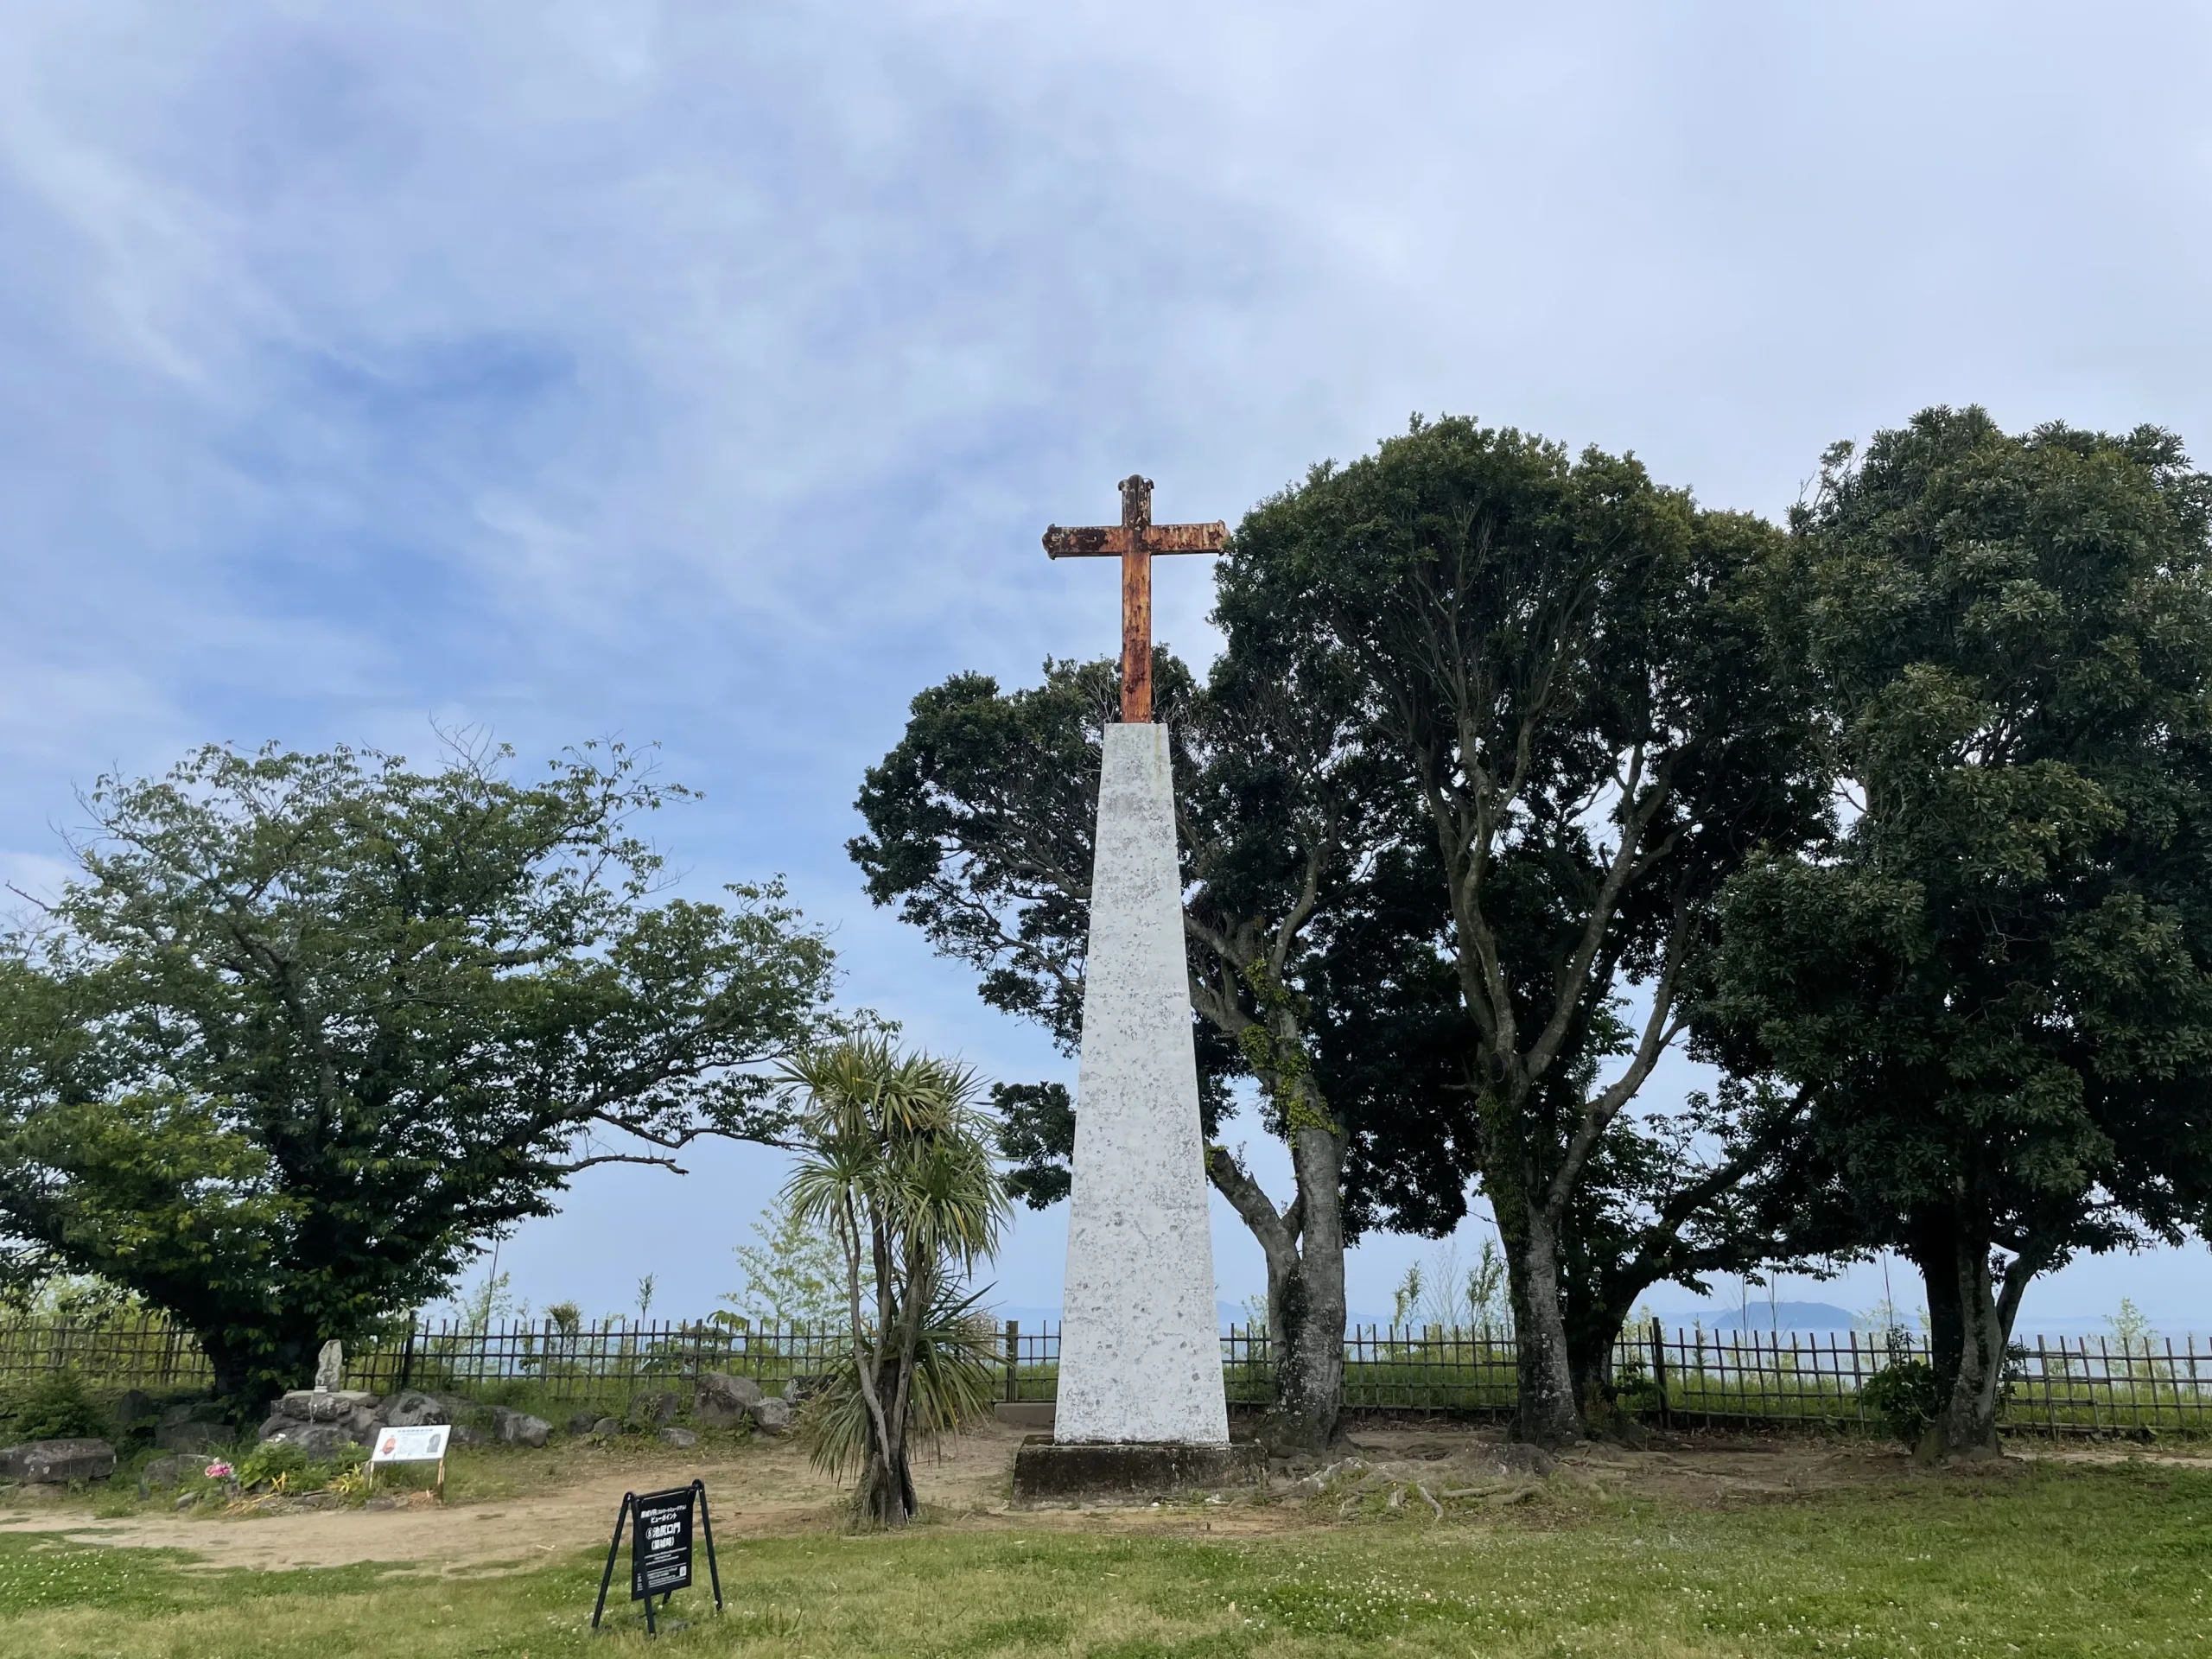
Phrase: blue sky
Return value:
(705, 373)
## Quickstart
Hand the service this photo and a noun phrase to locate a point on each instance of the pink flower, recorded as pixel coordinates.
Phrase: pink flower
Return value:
(217, 1471)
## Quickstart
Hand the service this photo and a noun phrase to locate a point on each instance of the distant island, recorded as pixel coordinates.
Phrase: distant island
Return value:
(1763, 1316)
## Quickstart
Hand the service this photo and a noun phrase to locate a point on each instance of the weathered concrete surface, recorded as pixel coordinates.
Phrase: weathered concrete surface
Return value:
(1140, 1357)
(1045, 1469)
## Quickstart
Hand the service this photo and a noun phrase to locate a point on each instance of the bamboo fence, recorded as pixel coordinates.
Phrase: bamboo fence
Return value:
(1684, 1377)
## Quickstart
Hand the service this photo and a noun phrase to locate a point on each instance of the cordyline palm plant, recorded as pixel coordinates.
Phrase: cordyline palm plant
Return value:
(898, 1167)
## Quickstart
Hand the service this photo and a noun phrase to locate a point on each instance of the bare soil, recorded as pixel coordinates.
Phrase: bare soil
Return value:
(767, 1488)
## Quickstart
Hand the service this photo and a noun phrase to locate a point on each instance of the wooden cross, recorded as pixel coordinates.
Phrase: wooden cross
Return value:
(1136, 539)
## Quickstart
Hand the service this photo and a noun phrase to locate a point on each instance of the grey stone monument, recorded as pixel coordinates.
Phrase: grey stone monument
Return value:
(330, 1368)
(1140, 1401)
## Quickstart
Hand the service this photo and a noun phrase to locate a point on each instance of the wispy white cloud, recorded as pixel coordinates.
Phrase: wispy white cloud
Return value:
(707, 372)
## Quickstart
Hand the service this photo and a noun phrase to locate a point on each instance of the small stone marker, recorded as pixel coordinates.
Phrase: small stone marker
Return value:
(330, 1367)
(660, 1547)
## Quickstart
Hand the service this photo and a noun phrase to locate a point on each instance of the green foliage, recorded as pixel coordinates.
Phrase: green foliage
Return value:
(2131, 1328)
(1447, 1294)
(955, 1371)
(278, 1465)
(56, 1407)
(1906, 1396)
(795, 1275)
(1037, 1138)
(308, 1028)
(896, 1166)
(1992, 987)
(1311, 967)
(1574, 670)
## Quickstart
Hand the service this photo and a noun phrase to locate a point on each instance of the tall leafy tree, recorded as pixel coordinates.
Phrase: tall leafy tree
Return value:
(305, 1028)
(1992, 983)
(1308, 931)
(1573, 668)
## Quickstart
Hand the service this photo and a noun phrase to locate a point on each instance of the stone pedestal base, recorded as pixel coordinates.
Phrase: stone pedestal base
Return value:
(1046, 1468)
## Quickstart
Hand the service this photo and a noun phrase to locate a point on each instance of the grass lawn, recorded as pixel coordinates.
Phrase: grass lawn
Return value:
(2114, 1559)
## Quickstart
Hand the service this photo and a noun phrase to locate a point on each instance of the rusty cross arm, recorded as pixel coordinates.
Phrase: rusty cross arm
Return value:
(1134, 541)
(1112, 541)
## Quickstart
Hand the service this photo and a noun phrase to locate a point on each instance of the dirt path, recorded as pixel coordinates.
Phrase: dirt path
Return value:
(768, 1490)
(757, 1489)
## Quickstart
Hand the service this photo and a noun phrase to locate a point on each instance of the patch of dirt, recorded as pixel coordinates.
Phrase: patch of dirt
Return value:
(761, 1489)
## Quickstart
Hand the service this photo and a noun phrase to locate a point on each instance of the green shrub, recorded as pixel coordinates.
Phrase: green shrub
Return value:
(285, 1468)
(57, 1407)
(1906, 1396)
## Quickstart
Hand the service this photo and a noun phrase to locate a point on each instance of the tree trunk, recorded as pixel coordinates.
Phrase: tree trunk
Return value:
(1548, 1412)
(1590, 1348)
(248, 1378)
(1306, 1302)
(886, 1489)
(1967, 1330)
(1304, 1247)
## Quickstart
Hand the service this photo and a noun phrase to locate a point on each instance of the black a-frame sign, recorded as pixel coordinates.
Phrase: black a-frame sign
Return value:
(660, 1547)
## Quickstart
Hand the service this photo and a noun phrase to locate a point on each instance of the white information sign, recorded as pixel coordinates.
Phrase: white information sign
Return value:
(423, 1445)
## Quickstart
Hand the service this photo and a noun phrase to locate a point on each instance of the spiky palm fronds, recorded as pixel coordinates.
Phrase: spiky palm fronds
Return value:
(898, 1169)
(955, 1359)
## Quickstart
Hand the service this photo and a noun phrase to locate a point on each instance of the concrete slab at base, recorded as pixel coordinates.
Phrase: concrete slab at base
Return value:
(1044, 1468)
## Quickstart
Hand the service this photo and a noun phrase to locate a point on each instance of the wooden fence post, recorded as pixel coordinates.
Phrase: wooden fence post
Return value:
(1659, 1369)
(1012, 1360)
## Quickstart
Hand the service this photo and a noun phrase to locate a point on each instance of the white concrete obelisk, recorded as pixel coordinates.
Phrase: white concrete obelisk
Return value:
(1140, 1353)
(1140, 1357)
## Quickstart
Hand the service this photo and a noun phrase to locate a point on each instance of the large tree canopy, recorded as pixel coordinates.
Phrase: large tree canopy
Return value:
(1991, 984)
(1573, 668)
(1309, 936)
(308, 1028)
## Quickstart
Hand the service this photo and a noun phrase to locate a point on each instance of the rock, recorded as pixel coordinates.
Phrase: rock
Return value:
(321, 1441)
(519, 1427)
(652, 1410)
(330, 1367)
(772, 1417)
(167, 1471)
(606, 1426)
(193, 1437)
(192, 1411)
(408, 1410)
(324, 1405)
(682, 1439)
(797, 1388)
(187, 1501)
(56, 1463)
(582, 1422)
(135, 1406)
(723, 1399)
